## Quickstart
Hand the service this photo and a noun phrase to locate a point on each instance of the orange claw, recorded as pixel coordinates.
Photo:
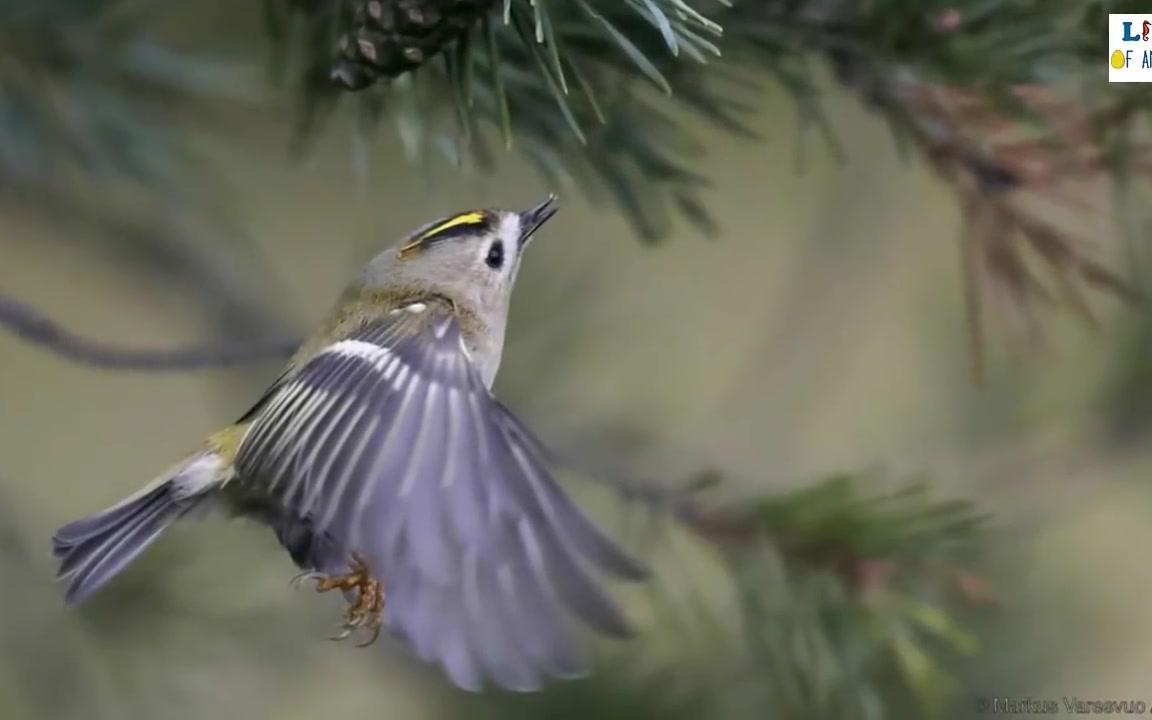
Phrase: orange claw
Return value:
(366, 610)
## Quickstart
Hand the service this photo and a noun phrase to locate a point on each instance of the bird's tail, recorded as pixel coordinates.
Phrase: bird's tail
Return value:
(94, 549)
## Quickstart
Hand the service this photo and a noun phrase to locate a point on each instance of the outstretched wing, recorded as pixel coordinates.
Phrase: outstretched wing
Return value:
(389, 443)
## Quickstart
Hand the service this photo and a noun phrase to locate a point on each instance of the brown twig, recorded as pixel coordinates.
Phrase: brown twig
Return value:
(31, 325)
(996, 163)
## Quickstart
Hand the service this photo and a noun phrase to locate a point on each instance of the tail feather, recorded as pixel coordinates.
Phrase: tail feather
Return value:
(86, 528)
(94, 549)
(91, 564)
(104, 526)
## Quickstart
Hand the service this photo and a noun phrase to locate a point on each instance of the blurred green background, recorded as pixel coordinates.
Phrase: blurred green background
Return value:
(821, 331)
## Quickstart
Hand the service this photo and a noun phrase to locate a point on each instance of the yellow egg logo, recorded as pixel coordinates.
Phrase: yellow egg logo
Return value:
(1118, 60)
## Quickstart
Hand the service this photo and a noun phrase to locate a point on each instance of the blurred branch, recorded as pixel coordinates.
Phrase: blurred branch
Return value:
(34, 327)
(88, 145)
(830, 524)
(1008, 172)
(981, 92)
(841, 591)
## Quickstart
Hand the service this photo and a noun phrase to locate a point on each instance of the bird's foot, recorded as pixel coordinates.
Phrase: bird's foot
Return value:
(366, 610)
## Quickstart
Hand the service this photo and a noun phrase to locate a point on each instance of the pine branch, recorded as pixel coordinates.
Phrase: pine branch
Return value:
(552, 78)
(872, 585)
(1007, 170)
(558, 79)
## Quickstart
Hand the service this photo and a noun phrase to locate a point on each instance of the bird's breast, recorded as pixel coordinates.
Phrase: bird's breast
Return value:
(484, 347)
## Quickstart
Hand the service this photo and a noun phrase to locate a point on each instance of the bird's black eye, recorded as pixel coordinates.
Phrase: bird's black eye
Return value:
(495, 257)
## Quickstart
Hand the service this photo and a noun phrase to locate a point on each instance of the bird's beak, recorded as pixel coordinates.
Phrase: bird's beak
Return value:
(532, 219)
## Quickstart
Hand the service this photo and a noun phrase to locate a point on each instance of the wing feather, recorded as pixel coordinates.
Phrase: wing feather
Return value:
(389, 444)
(589, 540)
(320, 430)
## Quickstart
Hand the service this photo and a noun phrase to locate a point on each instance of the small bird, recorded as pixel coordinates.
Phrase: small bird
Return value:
(383, 463)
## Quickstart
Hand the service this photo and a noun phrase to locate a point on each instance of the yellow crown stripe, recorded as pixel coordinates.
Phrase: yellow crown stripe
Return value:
(468, 218)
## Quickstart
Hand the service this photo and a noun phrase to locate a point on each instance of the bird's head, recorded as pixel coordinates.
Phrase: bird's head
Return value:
(469, 257)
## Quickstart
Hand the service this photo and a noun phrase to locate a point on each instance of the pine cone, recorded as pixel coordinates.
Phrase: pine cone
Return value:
(390, 37)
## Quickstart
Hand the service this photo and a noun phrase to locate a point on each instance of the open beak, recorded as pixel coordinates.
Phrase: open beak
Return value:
(532, 219)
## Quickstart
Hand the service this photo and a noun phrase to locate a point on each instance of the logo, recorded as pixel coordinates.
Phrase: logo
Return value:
(1130, 48)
